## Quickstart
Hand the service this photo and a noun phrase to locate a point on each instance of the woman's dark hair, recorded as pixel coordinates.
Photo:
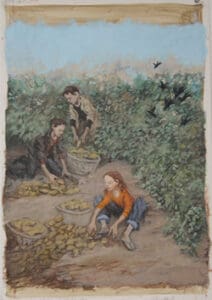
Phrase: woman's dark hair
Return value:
(117, 177)
(71, 89)
(56, 122)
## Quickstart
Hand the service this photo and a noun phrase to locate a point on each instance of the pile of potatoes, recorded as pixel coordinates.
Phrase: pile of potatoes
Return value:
(83, 153)
(36, 188)
(28, 227)
(76, 204)
(61, 238)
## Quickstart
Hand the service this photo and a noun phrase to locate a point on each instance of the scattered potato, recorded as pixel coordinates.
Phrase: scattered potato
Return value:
(60, 239)
(36, 188)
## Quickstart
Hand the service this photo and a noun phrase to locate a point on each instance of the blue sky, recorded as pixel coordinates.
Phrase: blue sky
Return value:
(46, 48)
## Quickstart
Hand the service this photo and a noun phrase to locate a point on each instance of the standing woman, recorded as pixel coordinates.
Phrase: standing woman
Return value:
(83, 116)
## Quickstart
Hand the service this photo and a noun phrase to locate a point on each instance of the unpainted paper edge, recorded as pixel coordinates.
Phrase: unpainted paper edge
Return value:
(207, 21)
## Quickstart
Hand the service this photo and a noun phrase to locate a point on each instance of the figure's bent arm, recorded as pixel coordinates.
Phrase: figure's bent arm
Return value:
(95, 214)
(51, 177)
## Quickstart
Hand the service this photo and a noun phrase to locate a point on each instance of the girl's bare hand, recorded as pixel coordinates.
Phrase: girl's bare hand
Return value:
(66, 173)
(52, 178)
(114, 231)
(91, 228)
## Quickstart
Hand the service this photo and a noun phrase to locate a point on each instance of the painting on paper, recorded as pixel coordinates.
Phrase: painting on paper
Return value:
(105, 147)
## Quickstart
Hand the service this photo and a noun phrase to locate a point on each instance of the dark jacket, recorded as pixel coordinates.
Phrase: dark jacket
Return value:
(44, 147)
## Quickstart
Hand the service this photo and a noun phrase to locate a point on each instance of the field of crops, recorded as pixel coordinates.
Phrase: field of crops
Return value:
(156, 124)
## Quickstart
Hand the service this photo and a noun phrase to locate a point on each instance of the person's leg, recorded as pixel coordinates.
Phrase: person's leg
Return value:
(137, 214)
(106, 213)
(104, 216)
(128, 243)
(112, 209)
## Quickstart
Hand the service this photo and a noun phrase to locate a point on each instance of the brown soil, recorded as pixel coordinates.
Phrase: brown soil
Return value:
(156, 261)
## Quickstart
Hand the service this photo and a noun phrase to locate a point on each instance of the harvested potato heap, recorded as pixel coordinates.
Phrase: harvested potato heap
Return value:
(83, 153)
(28, 227)
(36, 188)
(76, 204)
(61, 238)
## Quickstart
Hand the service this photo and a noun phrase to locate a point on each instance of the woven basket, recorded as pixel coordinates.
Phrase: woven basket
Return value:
(80, 218)
(24, 240)
(82, 166)
(76, 217)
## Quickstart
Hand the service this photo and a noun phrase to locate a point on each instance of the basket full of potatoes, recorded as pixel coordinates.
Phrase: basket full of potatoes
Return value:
(26, 231)
(76, 210)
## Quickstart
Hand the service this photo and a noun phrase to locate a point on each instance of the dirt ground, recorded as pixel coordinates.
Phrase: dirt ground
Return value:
(156, 261)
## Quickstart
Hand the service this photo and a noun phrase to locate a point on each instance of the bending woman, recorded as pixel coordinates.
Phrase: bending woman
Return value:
(83, 116)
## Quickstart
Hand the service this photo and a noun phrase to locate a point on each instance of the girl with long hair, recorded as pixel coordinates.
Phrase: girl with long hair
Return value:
(117, 201)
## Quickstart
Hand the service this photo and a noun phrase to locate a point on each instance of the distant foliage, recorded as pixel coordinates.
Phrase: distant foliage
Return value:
(32, 103)
(156, 124)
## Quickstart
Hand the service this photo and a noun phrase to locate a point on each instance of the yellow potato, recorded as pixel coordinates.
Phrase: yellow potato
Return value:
(28, 226)
(70, 248)
(70, 241)
(38, 243)
(35, 183)
(72, 190)
(84, 206)
(58, 219)
(61, 246)
(44, 185)
(44, 190)
(17, 224)
(93, 155)
(35, 193)
(54, 186)
(51, 223)
(69, 227)
(53, 192)
(80, 245)
(91, 245)
(60, 181)
(59, 237)
(104, 241)
(83, 153)
(75, 252)
(62, 190)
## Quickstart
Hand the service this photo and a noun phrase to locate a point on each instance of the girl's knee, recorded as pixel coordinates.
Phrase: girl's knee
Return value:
(140, 203)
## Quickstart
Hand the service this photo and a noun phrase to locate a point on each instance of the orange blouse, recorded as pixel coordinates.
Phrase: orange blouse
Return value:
(124, 200)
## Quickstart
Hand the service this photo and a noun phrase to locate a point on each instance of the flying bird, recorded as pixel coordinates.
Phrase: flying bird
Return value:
(156, 64)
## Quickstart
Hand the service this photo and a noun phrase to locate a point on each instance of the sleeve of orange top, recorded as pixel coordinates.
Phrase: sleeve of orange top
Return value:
(104, 201)
(128, 203)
